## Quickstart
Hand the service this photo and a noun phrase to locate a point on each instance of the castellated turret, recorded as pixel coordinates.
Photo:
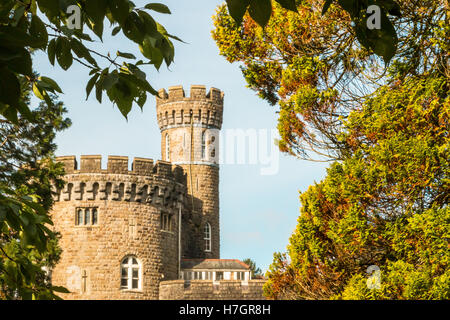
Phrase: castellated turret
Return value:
(190, 126)
(119, 228)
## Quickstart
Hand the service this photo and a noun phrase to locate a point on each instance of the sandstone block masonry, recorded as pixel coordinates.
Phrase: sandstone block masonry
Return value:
(129, 206)
(189, 138)
(211, 290)
(121, 234)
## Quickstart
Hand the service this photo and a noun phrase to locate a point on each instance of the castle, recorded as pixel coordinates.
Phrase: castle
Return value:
(151, 232)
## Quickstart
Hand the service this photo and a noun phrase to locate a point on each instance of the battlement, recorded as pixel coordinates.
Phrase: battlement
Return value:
(161, 183)
(197, 92)
(119, 165)
(175, 108)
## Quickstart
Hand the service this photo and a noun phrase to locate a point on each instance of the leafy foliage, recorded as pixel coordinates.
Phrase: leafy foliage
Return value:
(311, 65)
(27, 173)
(386, 204)
(382, 41)
(384, 201)
(23, 29)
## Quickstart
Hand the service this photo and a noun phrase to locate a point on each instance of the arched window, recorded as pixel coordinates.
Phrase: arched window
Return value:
(130, 274)
(167, 147)
(207, 237)
(203, 144)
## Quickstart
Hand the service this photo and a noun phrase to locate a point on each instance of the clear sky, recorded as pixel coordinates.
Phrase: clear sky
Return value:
(257, 212)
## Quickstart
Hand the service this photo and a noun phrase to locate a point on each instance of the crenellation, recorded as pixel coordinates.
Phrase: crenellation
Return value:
(198, 92)
(136, 213)
(199, 108)
(117, 164)
(163, 169)
(215, 94)
(69, 162)
(176, 92)
(91, 163)
(142, 166)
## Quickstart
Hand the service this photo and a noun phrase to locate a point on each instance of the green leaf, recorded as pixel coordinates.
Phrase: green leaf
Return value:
(288, 4)
(49, 7)
(151, 28)
(51, 51)
(151, 53)
(133, 28)
(110, 80)
(260, 11)
(11, 114)
(96, 10)
(119, 10)
(116, 30)
(167, 50)
(382, 42)
(60, 289)
(20, 60)
(237, 9)
(90, 84)
(9, 87)
(38, 91)
(63, 53)
(175, 37)
(22, 107)
(158, 7)
(39, 31)
(52, 83)
(16, 37)
(121, 95)
(125, 55)
(142, 98)
(81, 51)
(139, 82)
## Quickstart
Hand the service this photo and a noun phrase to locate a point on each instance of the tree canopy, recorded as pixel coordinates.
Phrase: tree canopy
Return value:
(383, 205)
(47, 25)
(28, 172)
(313, 67)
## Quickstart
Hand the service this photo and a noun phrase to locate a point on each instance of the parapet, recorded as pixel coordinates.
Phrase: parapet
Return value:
(211, 290)
(197, 92)
(119, 165)
(175, 108)
(159, 183)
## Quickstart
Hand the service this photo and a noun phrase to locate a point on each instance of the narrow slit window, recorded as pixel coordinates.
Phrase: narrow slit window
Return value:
(203, 144)
(167, 153)
(207, 237)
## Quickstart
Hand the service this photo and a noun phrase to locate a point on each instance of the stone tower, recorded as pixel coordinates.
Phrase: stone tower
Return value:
(106, 216)
(190, 128)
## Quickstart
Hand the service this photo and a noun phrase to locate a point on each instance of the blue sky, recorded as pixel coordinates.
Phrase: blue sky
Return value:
(258, 213)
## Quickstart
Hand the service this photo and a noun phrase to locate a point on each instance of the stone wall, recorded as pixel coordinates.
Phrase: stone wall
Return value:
(208, 290)
(129, 206)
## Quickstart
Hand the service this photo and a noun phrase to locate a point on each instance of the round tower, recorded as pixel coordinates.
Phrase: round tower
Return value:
(119, 227)
(190, 128)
